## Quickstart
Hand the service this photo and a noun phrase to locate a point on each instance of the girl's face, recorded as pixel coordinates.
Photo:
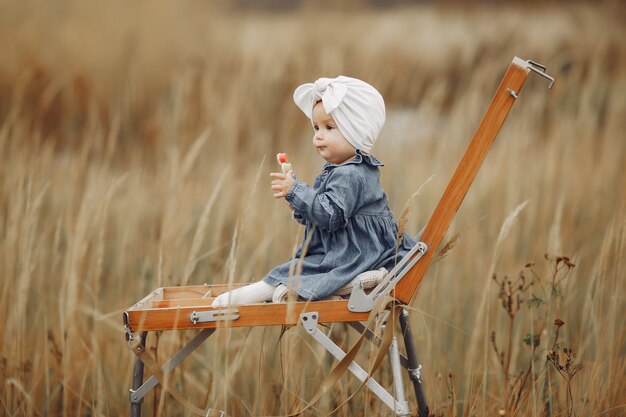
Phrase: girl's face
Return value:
(327, 139)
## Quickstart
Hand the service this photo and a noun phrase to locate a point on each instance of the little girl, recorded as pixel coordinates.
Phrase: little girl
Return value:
(349, 228)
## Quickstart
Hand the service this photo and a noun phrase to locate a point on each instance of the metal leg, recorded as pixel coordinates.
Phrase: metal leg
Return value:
(135, 406)
(172, 363)
(396, 372)
(309, 322)
(414, 367)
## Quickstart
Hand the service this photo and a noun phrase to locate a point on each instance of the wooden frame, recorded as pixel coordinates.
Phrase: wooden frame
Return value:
(173, 308)
(169, 308)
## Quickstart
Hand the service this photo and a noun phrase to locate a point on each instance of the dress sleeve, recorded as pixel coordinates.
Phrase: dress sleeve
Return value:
(331, 208)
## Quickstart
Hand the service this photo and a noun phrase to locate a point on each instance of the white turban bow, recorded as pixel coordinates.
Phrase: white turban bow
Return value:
(357, 107)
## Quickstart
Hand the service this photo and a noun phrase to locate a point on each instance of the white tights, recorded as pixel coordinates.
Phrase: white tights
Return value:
(250, 294)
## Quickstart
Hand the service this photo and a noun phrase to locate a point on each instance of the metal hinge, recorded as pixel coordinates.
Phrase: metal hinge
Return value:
(361, 302)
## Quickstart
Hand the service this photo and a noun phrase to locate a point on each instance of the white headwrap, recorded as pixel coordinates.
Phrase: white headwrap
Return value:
(357, 107)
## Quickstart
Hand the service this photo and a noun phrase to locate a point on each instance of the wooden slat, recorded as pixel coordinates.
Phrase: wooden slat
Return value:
(190, 295)
(188, 291)
(463, 177)
(249, 315)
(197, 302)
(148, 299)
(197, 291)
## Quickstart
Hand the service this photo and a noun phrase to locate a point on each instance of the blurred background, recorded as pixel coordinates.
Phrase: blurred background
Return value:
(136, 141)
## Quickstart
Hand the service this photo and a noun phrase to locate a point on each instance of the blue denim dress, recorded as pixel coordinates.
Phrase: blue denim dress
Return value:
(349, 229)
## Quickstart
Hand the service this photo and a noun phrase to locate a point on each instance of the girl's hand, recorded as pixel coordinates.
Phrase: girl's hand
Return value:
(282, 183)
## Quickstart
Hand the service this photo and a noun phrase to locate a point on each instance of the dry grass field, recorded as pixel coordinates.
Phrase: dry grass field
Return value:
(136, 139)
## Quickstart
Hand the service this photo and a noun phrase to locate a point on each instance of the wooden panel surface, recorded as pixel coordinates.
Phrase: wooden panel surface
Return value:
(464, 175)
(267, 314)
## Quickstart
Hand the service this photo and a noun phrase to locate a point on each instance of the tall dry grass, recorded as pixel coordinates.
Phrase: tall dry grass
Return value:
(136, 141)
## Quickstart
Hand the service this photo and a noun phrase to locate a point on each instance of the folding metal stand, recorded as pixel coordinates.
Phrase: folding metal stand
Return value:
(397, 402)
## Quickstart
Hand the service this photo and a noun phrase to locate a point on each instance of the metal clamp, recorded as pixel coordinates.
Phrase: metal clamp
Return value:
(133, 398)
(533, 66)
(130, 336)
(213, 315)
(541, 70)
(416, 374)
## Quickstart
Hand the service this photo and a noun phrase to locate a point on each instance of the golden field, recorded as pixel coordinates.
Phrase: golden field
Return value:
(136, 142)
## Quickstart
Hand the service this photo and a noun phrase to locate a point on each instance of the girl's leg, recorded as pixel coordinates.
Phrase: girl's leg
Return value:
(250, 294)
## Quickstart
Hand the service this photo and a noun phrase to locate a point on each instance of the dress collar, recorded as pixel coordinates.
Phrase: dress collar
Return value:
(359, 158)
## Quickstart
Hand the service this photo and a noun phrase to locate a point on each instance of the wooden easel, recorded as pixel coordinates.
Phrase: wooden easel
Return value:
(189, 307)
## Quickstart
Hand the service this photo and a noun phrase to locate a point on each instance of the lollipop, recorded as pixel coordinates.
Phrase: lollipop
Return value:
(282, 160)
